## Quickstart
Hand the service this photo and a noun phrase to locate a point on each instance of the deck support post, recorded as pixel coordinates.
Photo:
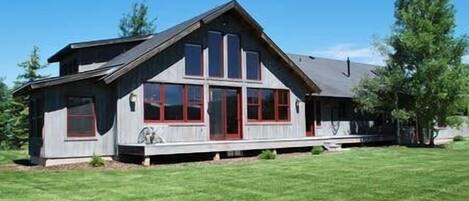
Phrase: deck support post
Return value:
(274, 151)
(217, 156)
(146, 161)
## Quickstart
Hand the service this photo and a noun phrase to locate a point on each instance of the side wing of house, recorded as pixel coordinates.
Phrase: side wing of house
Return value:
(220, 82)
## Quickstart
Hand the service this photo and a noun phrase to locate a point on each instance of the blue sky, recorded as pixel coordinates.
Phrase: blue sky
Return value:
(332, 28)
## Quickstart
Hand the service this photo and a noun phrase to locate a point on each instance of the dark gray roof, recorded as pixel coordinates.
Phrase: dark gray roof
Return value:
(111, 41)
(52, 81)
(330, 74)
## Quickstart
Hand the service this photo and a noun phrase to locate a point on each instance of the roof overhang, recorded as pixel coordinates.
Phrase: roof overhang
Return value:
(73, 46)
(48, 82)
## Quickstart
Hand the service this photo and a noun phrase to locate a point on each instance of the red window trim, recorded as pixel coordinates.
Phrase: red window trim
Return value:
(201, 59)
(222, 61)
(185, 104)
(93, 116)
(259, 67)
(240, 55)
(276, 106)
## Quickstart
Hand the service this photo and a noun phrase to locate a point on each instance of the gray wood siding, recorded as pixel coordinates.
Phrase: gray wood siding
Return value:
(56, 142)
(169, 67)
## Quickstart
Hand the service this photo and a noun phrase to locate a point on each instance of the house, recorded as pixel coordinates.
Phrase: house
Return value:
(214, 83)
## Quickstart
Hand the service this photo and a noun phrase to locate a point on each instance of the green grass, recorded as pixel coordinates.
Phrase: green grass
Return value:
(395, 173)
(8, 156)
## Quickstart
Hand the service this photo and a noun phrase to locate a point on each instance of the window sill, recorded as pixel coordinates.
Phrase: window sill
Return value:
(224, 79)
(193, 77)
(254, 81)
(74, 139)
(174, 124)
(275, 123)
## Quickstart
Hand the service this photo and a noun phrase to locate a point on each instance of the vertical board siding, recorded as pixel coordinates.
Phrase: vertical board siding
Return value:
(56, 143)
(168, 67)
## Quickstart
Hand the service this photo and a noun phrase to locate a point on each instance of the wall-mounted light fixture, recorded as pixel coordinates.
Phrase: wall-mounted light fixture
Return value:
(297, 106)
(132, 101)
(133, 98)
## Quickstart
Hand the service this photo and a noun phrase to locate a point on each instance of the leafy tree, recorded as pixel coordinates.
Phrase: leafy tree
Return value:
(19, 106)
(424, 81)
(136, 23)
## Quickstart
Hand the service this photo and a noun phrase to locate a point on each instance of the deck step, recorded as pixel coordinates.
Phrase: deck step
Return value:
(332, 146)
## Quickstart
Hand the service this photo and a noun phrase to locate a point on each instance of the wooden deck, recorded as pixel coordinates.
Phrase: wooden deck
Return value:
(241, 145)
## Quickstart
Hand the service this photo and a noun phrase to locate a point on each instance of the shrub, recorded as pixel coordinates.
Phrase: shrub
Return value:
(96, 161)
(267, 155)
(317, 150)
(458, 138)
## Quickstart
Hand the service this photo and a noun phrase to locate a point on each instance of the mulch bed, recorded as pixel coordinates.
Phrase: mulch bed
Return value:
(117, 165)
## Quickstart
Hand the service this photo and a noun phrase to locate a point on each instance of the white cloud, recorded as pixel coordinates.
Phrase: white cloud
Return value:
(465, 59)
(364, 54)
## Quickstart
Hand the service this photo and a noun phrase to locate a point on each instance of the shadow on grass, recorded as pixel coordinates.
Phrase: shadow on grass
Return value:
(23, 162)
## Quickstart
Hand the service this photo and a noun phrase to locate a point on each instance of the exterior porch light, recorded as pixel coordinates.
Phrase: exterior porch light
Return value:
(297, 105)
(133, 98)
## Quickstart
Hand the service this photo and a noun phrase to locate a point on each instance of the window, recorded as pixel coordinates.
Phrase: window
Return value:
(234, 56)
(253, 66)
(173, 102)
(283, 104)
(194, 102)
(193, 57)
(268, 104)
(253, 104)
(215, 54)
(80, 117)
(152, 101)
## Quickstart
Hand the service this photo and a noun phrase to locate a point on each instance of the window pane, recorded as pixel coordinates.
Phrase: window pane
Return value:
(80, 126)
(173, 102)
(231, 110)
(80, 106)
(283, 97)
(80, 117)
(194, 99)
(151, 101)
(253, 112)
(253, 97)
(268, 107)
(283, 113)
(252, 66)
(234, 57)
(215, 54)
(193, 57)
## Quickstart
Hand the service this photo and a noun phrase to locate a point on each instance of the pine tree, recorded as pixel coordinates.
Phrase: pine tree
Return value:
(6, 133)
(424, 81)
(19, 106)
(137, 23)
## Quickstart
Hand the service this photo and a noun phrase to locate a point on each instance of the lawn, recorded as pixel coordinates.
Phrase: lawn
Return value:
(7, 157)
(393, 173)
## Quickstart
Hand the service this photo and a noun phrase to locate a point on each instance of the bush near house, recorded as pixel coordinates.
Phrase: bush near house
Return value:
(317, 150)
(459, 138)
(267, 155)
(96, 161)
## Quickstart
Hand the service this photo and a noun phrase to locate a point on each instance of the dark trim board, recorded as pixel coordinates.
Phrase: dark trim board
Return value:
(242, 145)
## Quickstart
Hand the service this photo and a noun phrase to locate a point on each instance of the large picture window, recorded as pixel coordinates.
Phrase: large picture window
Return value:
(81, 120)
(193, 58)
(253, 66)
(268, 104)
(173, 103)
(234, 56)
(215, 54)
